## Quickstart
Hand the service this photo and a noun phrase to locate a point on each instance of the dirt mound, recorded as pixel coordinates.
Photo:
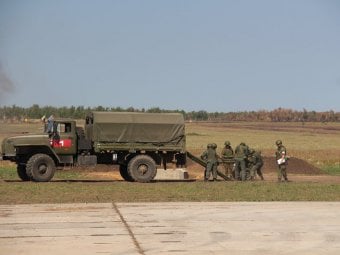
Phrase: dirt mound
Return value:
(295, 166)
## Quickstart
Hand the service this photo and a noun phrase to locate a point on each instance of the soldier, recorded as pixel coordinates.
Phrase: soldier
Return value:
(241, 154)
(227, 155)
(255, 164)
(214, 171)
(203, 157)
(210, 157)
(281, 160)
(50, 124)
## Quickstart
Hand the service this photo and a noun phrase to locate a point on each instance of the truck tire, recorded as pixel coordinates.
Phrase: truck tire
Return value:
(124, 173)
(21, 170)
(41, 167)
(142, 168)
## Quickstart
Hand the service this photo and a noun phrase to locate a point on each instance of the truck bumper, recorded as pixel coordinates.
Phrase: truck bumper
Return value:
(7, 157)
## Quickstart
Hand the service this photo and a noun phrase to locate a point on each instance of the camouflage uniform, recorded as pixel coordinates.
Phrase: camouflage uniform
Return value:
(210, 157)
(214, 146)
(241, 153)
(255, 164)
(227, 155)
(281, 154)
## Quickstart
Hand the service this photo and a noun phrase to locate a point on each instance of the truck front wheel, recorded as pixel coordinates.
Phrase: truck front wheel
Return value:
(41, 167)
(21, 170)
(142, 168)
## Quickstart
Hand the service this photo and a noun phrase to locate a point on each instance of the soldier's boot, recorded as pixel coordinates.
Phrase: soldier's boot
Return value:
(205, 178)
(215, 176)
(285, 177)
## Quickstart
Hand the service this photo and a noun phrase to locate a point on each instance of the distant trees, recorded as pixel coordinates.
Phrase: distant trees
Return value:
(197, 116)
(79, 112)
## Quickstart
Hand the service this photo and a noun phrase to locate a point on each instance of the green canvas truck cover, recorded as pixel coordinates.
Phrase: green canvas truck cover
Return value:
(131, 127)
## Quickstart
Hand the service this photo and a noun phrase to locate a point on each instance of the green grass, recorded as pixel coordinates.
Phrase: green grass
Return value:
(70, 189)
(68, 175)
(119, 191)
(332, 169)
(8, 173)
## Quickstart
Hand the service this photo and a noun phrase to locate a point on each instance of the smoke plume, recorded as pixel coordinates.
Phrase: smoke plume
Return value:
(6, 85)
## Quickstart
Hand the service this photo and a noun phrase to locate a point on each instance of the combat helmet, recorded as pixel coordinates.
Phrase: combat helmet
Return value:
(209, 145)
(214, 145)
(227, 143)
(278, 142)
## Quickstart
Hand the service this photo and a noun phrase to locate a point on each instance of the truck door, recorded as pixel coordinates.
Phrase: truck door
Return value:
(65, 142)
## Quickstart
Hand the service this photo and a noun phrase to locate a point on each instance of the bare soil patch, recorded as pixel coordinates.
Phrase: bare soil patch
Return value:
(298, 171)
(295, 166)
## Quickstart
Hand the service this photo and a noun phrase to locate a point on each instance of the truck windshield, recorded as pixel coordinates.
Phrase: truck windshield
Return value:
(64, 127)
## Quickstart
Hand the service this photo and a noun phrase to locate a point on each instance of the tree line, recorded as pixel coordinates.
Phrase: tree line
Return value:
(79, 112)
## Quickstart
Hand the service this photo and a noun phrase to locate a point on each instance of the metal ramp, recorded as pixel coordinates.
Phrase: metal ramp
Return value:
(202, 163)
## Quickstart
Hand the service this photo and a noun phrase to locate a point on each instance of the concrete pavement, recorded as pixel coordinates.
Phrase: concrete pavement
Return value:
(171, 228)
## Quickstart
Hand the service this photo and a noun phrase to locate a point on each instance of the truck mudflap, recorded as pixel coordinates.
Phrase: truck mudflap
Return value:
(204, 164)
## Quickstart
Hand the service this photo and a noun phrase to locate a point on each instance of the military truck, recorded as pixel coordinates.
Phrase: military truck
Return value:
(137, 142)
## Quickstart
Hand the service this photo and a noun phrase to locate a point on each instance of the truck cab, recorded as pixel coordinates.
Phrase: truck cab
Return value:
(64, 139)
(38, 155)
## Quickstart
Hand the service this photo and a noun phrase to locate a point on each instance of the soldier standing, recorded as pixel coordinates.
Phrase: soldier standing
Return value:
(241, 154)
(281, 160)
(210, 157)
(227, 155)
(256, 163)
(214, 170)
(50, 125)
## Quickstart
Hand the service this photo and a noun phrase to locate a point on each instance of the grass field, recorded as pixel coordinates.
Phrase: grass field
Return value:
(317, 143)
(69, 187)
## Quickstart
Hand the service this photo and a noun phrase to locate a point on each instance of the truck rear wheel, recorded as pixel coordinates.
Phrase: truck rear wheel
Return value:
(142, 168)
(41, 167)
(21, 170)
(124, 173)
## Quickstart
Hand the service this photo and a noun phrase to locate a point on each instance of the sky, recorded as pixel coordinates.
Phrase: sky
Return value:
(176, 54)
